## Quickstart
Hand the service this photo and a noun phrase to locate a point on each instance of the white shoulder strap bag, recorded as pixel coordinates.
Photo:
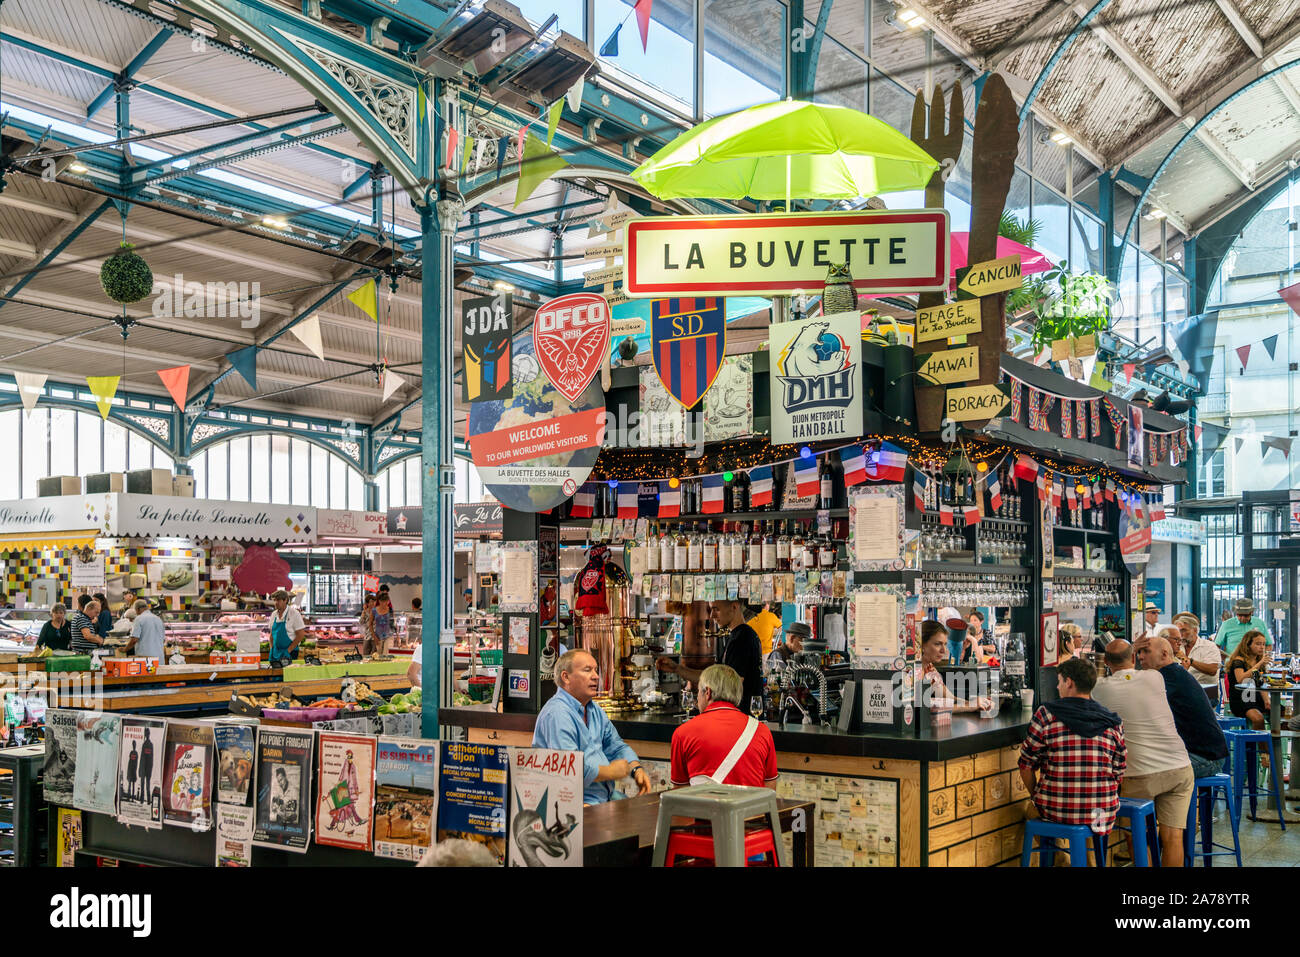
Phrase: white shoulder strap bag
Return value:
(733, 756)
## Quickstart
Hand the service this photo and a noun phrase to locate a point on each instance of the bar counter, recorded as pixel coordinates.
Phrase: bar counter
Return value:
(951, 797)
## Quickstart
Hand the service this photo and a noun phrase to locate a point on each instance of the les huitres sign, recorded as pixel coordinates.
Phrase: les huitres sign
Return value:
(784, 254)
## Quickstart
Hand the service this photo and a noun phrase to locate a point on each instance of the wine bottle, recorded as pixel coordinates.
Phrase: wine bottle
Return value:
(709, 548)
(825, 485)
(769, 548)
(754, 561)
(652, 550)
(783, 548)
(738, 548)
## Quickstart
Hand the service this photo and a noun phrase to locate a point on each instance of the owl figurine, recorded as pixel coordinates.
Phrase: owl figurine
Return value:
(838, 295)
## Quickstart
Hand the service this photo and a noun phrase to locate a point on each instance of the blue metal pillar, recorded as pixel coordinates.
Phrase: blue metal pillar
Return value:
(370, 495)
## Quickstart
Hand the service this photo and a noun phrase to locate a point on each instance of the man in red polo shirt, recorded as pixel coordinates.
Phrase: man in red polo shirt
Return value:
(722, 744)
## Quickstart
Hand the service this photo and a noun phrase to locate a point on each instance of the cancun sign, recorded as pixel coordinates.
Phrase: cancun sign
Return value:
(783, 254)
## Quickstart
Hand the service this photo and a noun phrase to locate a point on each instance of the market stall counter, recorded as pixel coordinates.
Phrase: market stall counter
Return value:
(951, 796)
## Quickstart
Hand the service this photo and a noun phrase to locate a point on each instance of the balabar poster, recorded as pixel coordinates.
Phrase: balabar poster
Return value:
(545, 808)
(688, 340)
(140, 771)
(406, 796)
(234, 761)
(486, 333)
(283, 788)
(472, 795)
(533, 450)
(729, 405)
(94, 785)
(187, 774)
(346, 790)
(234, 836)
(816, 379)
(571, 340)
(60, 755)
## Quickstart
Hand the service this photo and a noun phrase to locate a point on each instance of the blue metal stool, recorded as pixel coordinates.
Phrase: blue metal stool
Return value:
(1141, 815)
(1227, 722)
(1240, 742)
(1078, 836)
(1204, 800)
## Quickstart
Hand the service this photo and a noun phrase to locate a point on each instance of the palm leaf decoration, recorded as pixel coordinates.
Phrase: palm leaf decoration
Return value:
(1026, 233)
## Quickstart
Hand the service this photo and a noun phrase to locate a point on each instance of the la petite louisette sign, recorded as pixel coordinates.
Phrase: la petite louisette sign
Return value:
(782, 254)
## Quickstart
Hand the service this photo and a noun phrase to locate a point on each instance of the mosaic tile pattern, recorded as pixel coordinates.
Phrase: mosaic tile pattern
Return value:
(26, 566)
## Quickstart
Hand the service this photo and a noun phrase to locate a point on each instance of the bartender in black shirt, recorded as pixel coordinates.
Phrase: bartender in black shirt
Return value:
(742, 651)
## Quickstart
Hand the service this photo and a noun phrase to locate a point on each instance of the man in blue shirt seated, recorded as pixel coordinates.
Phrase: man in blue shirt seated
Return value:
(571, 722)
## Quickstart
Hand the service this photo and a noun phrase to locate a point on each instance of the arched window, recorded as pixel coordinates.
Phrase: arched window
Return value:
(399, 484)
(53, 441)
(279, 469)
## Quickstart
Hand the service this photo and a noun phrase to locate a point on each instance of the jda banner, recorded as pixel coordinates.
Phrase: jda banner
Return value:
(816, 379)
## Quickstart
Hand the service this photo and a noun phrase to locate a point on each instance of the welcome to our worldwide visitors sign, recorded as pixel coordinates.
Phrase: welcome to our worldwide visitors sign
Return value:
(783, 254)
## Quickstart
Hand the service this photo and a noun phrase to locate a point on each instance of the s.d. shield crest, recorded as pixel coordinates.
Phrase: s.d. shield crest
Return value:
(688, 340)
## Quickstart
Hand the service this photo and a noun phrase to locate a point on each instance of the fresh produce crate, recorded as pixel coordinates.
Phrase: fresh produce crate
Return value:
(491, 656)
(67, 663)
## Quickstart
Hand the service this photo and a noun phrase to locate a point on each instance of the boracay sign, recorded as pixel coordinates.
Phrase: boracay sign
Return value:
(782, 254)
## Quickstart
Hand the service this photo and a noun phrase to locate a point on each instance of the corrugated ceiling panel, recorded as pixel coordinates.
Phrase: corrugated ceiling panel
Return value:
(102, 32)
(1194, 183)
(1257, 126)
(1269, 17)
(64, 81)
(1183, 43)
(988, 24)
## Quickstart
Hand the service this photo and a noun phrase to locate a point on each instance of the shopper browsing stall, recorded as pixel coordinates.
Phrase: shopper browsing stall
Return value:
(382, 622)
(56, 634)
(572, 721)
(287, 628)
(85, 638)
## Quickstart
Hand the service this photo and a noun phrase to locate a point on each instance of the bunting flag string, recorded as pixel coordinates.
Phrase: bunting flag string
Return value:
(103, 388)
(854, 461)
(584, 501)
(1116, 420)
(760, 486)
(627, 500)
(713, 498)
(1067, 419)
(1094, 414)
(1016, 396)
(177, 382)
(806, 475)
(1080, 420)
(31, 385)
(1035, 399)
(919, 483)
(670, 500)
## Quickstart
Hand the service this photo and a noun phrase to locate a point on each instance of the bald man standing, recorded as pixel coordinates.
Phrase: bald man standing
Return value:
(1193, 715)
(1159, 768)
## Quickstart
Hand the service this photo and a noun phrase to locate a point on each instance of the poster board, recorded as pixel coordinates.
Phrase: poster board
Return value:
(545, 808)
(876, 528)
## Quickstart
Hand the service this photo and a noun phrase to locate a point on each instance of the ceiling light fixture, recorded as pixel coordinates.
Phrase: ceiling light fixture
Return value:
(79, 168)
(500, 286)
(274, 222)
(1061, 138)
(911, 18)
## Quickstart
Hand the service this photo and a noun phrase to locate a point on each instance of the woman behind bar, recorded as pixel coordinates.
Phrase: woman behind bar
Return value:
(934, 651)
(1248, 660)
(1071, 641)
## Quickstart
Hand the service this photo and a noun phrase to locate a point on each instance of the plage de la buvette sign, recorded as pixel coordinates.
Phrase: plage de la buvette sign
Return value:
(782, 254)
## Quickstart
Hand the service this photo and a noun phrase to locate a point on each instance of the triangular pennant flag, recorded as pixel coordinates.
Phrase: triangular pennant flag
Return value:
(453, 156)
(1128, 370)
(30, 387)
(103, 388)
(1243, 353)
(553, 119)
(365, 299)
(392, 382)
(538, 165)
(1291, 296)
(244, 361)
(308, 333)
(1197, 430)
(503, 146)
(806, 475)
(519, 146)
(610, 46)
(177, 381)
(466, 152)
(574, 96)
(1236, 444)
(854, 461)
(1271, 345)
(643, 20)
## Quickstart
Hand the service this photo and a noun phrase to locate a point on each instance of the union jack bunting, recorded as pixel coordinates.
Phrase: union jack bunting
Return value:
(1035, 401)
(1016, 397)
(1116, 420)
(1080, 420)
(1094, 415)
(1067, 419)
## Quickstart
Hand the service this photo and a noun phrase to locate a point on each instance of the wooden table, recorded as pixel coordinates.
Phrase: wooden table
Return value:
(632, 823)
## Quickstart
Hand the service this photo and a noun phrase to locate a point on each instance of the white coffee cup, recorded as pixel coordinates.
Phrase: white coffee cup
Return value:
(1027, 697)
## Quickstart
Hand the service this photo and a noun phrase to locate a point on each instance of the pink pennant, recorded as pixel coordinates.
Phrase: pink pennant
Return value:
(1128, 370)
(177, 381)
(1243, 353)
(643, 20)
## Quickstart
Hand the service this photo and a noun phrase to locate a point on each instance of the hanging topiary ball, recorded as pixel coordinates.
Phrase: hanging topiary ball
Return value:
(126, 277)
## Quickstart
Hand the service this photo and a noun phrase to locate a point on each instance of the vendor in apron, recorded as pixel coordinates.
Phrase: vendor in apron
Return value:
(287, 628)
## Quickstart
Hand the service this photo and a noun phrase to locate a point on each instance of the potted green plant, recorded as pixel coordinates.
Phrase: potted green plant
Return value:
(1070, 306)
(125, 276)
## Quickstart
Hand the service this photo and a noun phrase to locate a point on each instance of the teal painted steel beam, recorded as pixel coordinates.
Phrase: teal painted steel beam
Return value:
(236, 141)
(53, 254)
(815, 48)
(1058, 54)
(242, 155)
(139, 60)
(355, 186)
(1188, 136)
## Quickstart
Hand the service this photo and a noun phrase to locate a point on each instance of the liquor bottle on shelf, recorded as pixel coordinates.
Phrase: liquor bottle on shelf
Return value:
(681, 553)
(778, 488)
(739, 545)
(768, 553)
(729, 496)
(754, 561)
(709, 558)
(809, 550)
(652, 550)
(827, 551)
(796, 548)
(740, 493)
(694, 556)
(826, 487)
(667, 550)
(783, 548)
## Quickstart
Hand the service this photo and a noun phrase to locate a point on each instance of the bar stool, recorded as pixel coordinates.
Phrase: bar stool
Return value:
(1078, 836)
(726, 807)
(697, 842)
(1228, 723)
(1206, 789)
(1240, 742)
(1141, 816)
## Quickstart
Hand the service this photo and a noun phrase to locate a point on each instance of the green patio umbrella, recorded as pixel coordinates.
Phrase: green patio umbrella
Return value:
(784, 149)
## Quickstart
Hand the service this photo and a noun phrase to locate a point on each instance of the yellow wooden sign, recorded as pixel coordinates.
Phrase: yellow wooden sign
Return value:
(951, 319)
(951, 365)
(996, 275)
(976, 402)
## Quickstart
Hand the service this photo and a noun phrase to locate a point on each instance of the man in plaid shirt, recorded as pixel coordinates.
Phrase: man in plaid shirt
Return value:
(1074, 756)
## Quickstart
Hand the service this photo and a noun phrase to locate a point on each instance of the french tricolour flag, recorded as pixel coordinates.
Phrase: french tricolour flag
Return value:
(760, 485)
(805, 475)
(919, 482)
(584, 501)
(995, 491)
(971, 513)
(1026, 468)
(1056, 495)
(854, 460)
(627, 496)
(670, 501)
(1108, 489)
(1041, 482)
(890, 464)
(712, 494)
(1157, 505)
(945, 514)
